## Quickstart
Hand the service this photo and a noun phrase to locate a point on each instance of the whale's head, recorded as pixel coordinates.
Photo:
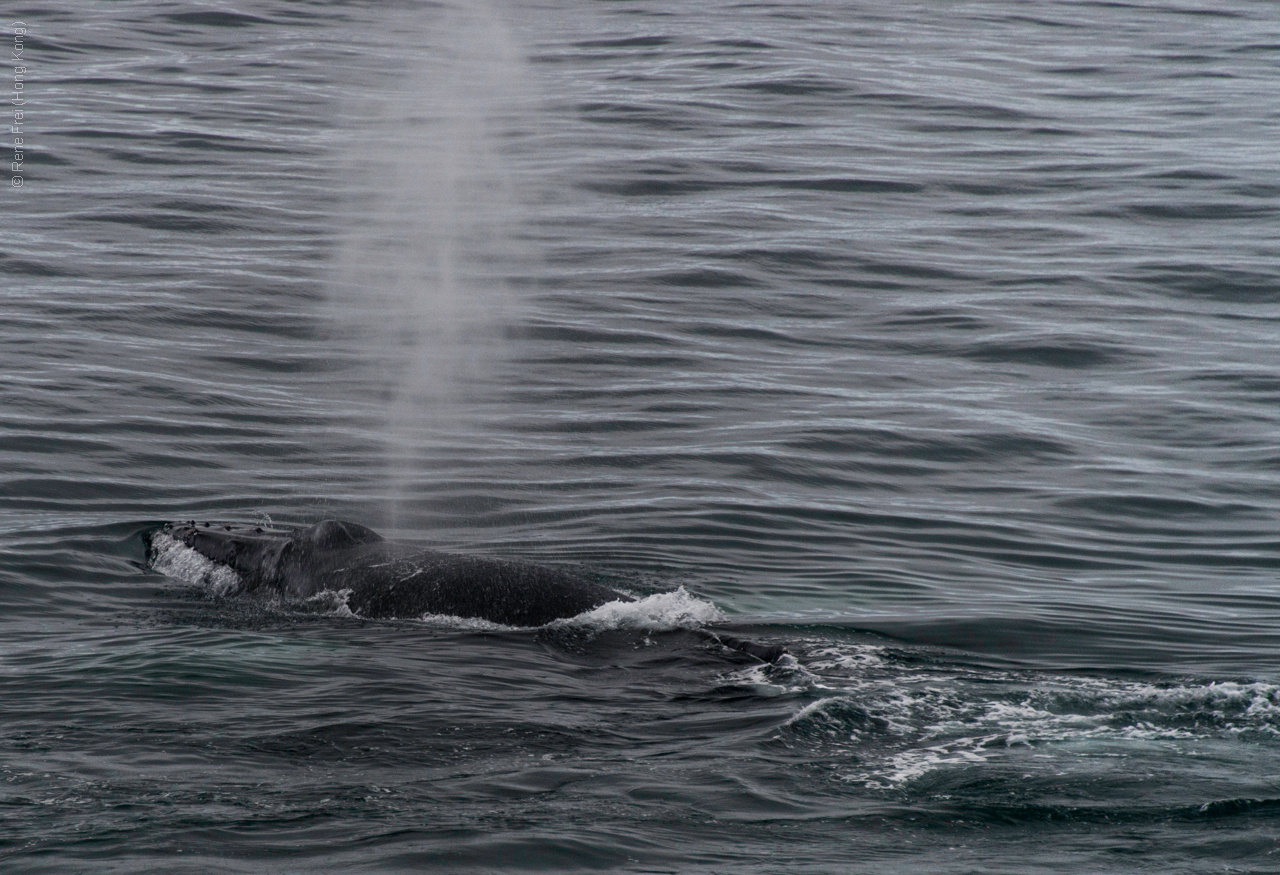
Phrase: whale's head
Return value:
(271, 557)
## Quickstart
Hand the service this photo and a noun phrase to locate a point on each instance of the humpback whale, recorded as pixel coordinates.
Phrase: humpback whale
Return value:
(386, 579)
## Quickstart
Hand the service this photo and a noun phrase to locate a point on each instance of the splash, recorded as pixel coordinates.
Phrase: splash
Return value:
(663, 612)
(431, 242)
(331, 602)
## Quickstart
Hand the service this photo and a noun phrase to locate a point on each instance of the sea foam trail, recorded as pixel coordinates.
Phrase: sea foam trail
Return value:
(899, 722)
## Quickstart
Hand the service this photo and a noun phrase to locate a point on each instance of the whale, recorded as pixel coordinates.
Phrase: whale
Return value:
(384, 579)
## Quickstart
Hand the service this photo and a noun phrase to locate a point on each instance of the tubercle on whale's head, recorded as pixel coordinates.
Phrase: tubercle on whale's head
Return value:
(254, 553)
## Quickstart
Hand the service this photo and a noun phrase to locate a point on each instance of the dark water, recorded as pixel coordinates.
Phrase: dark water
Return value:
(937, 342)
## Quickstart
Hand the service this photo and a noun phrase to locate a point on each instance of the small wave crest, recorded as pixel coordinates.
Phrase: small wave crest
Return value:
(176, 560)
(835, 716)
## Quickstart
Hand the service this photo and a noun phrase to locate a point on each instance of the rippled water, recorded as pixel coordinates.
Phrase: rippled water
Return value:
(936, 342)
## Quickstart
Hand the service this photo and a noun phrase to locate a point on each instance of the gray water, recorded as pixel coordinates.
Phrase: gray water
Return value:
(936, 342)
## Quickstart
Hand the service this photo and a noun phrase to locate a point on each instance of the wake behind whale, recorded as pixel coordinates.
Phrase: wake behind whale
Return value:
(381, 579)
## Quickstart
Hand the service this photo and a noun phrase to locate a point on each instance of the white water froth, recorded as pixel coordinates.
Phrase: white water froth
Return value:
(332, 602)
(465, 624)
(663, 612)
(901, 723)
(176, 560)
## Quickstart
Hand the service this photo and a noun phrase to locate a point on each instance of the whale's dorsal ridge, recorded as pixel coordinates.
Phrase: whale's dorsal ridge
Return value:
(338, 535)
(388, 580)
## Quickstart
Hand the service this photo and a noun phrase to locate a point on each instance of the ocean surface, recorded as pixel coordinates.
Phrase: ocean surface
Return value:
(936, 342)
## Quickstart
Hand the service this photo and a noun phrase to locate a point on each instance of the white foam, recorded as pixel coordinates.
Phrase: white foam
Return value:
(845, 656)
(466, 624)
(663, 612)
(930, 718)
(912, 764)
(332, 602)
(174, 559)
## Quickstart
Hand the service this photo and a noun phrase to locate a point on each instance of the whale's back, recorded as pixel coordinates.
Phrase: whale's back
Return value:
(501, 591)
(384, 579)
